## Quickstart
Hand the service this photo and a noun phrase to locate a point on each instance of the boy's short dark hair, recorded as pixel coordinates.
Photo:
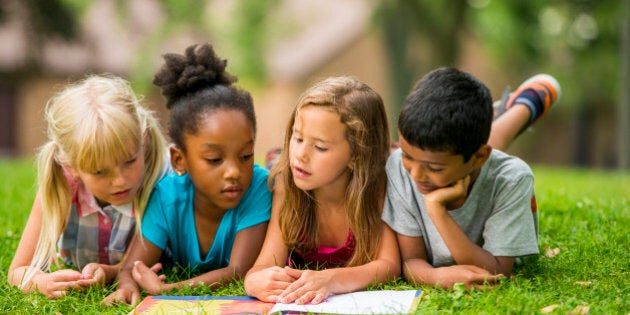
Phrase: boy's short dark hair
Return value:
(447, 110)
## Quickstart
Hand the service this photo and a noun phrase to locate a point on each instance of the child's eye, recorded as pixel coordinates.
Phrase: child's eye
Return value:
(131, 161)
(321, 149)
(99, 172)
(434, 170)
(246, 157)
(214, 161)
(297, 139)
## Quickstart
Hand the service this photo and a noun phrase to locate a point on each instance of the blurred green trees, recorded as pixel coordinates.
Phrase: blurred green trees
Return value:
(578, 41)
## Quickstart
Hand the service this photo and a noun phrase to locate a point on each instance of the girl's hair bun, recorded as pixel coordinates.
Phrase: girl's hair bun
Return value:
(198, 69)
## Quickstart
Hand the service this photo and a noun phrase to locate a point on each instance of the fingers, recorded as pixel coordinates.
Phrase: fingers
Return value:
(303, 295)
(157, 267)
(57, 294)
(92, 274)
(60, 281)
(293, 273)
(135, 298)
(122, 296)
(65, 275)
(139, 268)
(114, 298)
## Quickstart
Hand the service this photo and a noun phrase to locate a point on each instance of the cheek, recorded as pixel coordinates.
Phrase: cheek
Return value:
(139, 173)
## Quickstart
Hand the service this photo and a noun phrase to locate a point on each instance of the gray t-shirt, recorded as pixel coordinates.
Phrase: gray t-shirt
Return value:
(499, 214)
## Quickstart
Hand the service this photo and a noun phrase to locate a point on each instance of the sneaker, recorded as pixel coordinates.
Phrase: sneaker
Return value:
(538, 93)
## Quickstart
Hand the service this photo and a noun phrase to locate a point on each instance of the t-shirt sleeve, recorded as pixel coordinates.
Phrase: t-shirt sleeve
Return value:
(401, 209)
(256, 205)
(511, 230)
(154, 222)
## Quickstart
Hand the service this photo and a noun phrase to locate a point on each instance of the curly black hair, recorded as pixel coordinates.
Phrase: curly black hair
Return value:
(196, 84)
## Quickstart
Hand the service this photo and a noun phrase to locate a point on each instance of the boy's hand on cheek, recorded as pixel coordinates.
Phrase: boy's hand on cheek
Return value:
(438, 199)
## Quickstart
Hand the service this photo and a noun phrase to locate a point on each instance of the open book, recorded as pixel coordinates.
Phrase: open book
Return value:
(363, 302)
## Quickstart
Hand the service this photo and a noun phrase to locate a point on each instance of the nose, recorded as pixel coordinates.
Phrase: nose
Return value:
(299, 151)
(232, 170)
(118, 177)
(417, 173)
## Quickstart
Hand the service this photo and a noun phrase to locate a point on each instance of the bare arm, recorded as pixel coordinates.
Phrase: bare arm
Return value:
(464, 251)
(53, 285)
(139, 250)
(266, 280)
(246, 246)
(314, 286)
(417, 269)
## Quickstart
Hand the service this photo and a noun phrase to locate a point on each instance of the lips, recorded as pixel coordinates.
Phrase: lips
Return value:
(232, 191)
(424, 187)
(300, 173)
(122, 193)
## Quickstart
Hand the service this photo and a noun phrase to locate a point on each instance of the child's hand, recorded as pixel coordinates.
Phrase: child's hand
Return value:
(267, 284)
(443, 196)
(148, 278)
(310, 287)
(92, 274)
(471, 276)
(55, 285)
(126, 293)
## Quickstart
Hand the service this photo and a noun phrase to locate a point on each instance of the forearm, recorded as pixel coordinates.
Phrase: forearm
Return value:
(111, 272)
(420, 272)
(125, 280)
(350, 279)
(463, 250)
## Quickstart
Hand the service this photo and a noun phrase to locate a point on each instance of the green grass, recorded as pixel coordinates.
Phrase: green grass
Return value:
(583, 213)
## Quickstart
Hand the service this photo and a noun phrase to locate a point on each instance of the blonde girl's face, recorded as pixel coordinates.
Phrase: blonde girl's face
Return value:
(220, 159)
(117, 183)
(319, 153)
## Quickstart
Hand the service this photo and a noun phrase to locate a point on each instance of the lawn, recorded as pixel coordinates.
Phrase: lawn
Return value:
(584, 266)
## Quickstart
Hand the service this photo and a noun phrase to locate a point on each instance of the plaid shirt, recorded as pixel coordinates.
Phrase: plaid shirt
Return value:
(94, 234)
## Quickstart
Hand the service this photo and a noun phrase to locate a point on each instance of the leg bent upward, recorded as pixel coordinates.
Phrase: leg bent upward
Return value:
(522, 109)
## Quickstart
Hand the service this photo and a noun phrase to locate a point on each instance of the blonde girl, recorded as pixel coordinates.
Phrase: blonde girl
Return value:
(211, 214)
(328, 195)
(104, 154)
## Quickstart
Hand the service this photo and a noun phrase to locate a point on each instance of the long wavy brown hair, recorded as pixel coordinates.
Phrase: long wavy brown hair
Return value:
(362, 112)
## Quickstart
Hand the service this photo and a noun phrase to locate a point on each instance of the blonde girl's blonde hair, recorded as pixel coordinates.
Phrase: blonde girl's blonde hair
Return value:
(362, 112)
(92, 123)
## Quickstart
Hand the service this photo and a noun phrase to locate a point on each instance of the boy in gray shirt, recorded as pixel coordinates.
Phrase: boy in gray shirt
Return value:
(463, 211)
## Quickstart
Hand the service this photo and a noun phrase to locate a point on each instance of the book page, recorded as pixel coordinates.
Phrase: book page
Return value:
(363, 302)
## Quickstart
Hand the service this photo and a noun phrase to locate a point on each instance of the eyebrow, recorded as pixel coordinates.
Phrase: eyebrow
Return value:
(314, 138)
(217, 146)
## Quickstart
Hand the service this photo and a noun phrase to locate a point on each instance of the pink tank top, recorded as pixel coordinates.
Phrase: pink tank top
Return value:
(324, 257)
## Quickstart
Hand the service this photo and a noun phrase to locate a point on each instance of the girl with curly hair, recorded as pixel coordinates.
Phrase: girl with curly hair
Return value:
(211, 214)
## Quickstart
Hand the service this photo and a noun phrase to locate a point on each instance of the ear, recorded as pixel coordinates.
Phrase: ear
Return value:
(178, 160)
(480, 157)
